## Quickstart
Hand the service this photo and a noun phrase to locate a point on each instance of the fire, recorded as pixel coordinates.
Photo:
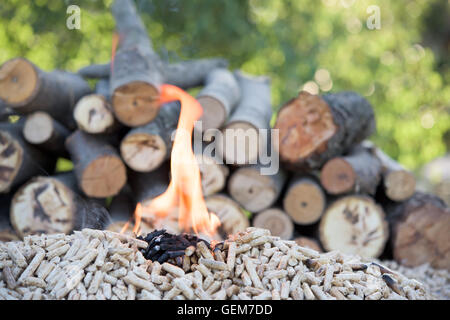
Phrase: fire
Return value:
(115, 42)
(185, 191)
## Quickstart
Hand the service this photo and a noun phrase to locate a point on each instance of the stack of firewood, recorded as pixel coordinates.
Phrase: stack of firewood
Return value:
(333, 184)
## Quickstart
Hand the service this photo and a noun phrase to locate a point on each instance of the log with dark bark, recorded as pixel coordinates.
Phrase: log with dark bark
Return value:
(19, 161)
(315, 129)
(149, 185)
(359, 171)
(184, 74)
(218, 98)
(98, 167)
(93, 113)
(230, 214)
(398, 183)
(242, 140)
(275, 220)
(254, 191)
(47, 134)
(420, 231)
(25, 88)
(7, 232)
(137, 72)
(355, 225)
(145, 148)
(5, 111)
(308, 242)
(304, 200)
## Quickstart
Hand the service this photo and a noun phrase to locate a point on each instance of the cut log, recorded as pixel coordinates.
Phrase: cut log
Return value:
(47, 134)
(253, 112)
(122, 205)
(308, 242)
(254, 191)
(315, 129)
(420, 231)
(359, 171)
(19, 161)
(137, 70)
(98, 167)
(218, 98)
(275, 220)
(25, 88)
(149, 185)
(355, 225)
(184, 74)
(230, 214)
(214, 175)
(7, 232)
(304, 200)
(145, 148)
(93, 113)
(398, 183)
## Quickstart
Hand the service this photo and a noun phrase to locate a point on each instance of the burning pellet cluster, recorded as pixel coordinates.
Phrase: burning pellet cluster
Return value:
(94, 264)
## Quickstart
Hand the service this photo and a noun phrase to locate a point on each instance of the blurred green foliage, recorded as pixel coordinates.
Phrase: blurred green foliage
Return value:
(324, 45)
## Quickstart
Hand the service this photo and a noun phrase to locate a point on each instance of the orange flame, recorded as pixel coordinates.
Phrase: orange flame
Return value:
(185, 190)
(115, 43)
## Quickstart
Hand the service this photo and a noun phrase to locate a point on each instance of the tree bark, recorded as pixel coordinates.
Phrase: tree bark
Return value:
(98, 167)
(7, 232)
(19, 161)
(399, 184)
(354, 225)
(359, 171)
(254, 191)
(149, 185)
(420, 231)
(47, 134)
(145, 148)
(315, 129)
(253, 112)
(25, 88)
(275, 220)
(304, 200)
(218, 98)
(230, 214)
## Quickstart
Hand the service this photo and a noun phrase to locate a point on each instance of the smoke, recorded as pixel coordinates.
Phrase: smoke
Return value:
(91, 215)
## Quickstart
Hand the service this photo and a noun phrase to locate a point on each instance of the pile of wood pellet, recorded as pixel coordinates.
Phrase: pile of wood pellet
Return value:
(94, 264)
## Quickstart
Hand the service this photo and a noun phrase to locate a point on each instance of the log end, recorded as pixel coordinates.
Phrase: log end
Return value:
(277, 221)
(304, 202)
(399, 185)
(11, 157)
(103, 177)
(337, 176)
(44, 205)
(306, 124)
(19, 82)
(354, 225)
(143, 152)
(214, 113)
(93, 114)
(38, 127)
(213, 175)
(135, 103)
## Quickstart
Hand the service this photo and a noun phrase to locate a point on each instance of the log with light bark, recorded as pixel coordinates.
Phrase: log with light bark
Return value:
(184, 74)
(398, 183)
(136, 74)
(304, 200)
(314, 129)
(355, 225)
(93, 113)
(275, 220)
(230, 214)
(98, 167)
(25, 88)
(47, 134)
(19, 161)
(254, 191)
(218, 98)
(145, 148)
(359, 171)
(242, 139)
(308, 242)
(147, 186)
(420, 231)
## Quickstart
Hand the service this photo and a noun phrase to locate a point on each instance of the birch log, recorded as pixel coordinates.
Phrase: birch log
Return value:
(275, 220)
